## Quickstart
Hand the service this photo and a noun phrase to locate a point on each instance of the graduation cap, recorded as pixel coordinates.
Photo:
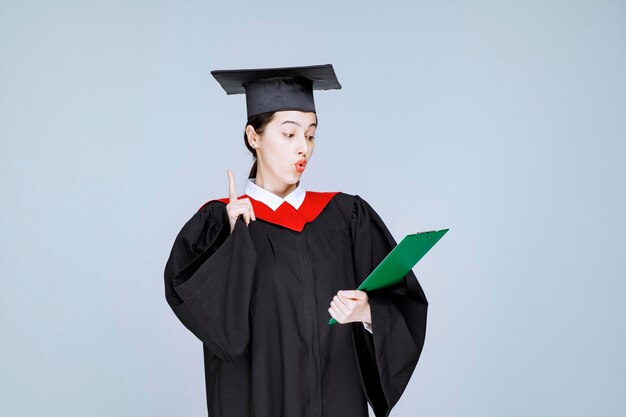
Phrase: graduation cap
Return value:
(274, 89)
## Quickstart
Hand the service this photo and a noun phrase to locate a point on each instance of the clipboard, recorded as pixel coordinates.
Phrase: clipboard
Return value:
(400, 261)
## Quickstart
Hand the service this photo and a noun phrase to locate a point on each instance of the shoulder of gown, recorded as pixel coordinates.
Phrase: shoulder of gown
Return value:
(196, 235)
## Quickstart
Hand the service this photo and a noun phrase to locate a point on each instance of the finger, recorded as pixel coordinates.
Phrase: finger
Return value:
(336, 315)
(232, 192)
(350, 304)
(352, 294)
(252, 215)
(339, 299)
(252, 212)
(343, 293)
(361, 295)
(339, 307)
(246, 216)
(237, 211)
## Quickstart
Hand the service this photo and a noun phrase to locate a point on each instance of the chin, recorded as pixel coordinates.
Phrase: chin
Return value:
(294, 178)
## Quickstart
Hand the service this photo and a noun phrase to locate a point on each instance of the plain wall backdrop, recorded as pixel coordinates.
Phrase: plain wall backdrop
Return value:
(504, 121)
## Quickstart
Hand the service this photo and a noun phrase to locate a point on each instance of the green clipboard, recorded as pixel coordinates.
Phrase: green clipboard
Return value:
(400, 261)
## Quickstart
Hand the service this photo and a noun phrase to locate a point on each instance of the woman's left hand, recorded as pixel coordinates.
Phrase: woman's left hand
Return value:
(350, 305)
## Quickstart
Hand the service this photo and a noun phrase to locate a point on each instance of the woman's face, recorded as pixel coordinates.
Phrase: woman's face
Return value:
(286, 146)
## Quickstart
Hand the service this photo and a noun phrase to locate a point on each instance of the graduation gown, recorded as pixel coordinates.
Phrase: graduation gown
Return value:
(258, 300)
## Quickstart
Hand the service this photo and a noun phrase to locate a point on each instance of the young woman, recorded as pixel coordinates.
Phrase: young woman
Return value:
(257, 277)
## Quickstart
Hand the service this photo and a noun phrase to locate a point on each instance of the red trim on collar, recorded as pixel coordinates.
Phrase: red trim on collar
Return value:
(285, 215)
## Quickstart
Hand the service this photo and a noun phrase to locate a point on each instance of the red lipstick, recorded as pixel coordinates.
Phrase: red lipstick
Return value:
(300, 165)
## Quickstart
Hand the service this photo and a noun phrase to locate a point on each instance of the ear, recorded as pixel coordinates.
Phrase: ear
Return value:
(253, 137)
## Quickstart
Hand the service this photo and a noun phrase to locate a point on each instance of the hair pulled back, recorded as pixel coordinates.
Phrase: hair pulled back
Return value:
(258, 122)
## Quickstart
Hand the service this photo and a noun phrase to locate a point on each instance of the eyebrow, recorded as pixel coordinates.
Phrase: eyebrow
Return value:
(296, 123)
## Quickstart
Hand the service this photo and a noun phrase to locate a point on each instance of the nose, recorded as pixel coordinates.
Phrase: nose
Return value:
(304, 147)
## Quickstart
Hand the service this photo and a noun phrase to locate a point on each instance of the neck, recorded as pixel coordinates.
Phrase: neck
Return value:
(274, 186)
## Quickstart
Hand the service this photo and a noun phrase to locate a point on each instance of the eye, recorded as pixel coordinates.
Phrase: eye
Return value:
(289, 135)
(310, 138)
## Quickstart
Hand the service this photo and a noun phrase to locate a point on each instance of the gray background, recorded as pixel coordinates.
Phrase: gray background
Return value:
(504, 121)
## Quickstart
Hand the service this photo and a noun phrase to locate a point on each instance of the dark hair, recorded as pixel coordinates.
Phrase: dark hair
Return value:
(258, 122)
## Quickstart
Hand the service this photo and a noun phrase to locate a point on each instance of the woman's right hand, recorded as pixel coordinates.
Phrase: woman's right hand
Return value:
(235, 207)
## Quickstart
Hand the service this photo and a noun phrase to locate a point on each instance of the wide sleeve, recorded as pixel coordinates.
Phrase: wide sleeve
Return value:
(209, 280)
(388, 356)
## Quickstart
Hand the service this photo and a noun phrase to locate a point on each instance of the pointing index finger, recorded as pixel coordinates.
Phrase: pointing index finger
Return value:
(232, 192)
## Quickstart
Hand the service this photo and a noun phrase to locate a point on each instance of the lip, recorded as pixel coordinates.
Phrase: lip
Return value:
(300, 165)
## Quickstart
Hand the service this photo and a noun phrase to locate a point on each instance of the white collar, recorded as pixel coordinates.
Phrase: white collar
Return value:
(295, 198)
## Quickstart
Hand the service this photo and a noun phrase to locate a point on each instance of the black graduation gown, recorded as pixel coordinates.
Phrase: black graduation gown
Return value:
(258, 300)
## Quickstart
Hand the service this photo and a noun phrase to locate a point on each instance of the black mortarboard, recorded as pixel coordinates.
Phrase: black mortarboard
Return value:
(274, 89)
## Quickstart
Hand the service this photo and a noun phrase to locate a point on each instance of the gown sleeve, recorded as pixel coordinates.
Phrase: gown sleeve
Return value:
(208, 280)
(388, 355)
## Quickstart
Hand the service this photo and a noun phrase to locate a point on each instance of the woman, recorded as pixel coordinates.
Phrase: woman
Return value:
(257, 277)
